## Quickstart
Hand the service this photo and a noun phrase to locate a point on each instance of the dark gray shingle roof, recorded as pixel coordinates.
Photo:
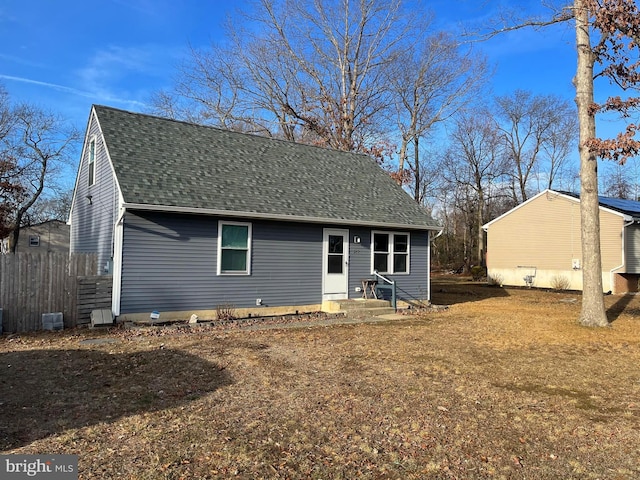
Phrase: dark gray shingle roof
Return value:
(168, 163)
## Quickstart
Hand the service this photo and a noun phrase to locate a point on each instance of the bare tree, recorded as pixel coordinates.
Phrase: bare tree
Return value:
(303, 70)
(37, 143)
(430, 83)
(11, 190)
(534, 127)
(55, 205)
(561, 140)
(475, 162)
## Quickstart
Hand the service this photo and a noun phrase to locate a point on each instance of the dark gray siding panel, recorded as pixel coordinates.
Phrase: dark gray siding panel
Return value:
(632, 248)
(92, 222)
(169, 263)
(410, 287)
(359, 259)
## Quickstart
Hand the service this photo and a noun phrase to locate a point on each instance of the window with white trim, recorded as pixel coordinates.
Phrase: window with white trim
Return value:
(34, 240)
(390, 252)
(234, 248)
(92, 161)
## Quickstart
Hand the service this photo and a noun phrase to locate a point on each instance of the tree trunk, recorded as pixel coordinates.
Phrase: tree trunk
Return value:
(481, 261)
(417, 177)
(593, 313)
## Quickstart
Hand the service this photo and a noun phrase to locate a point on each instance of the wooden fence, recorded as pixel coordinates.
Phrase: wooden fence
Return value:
(33, 284)
(94, 292)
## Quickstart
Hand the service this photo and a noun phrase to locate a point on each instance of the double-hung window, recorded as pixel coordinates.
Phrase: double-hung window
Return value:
(390, 252)
(234, 248)
(92, 161)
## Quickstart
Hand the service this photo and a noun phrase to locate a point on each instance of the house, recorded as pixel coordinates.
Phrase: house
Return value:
(45, 237)
(538, 243)
(188, 218)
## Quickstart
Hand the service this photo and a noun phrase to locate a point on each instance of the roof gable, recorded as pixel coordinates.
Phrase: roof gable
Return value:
(166, 163)
(617, 206)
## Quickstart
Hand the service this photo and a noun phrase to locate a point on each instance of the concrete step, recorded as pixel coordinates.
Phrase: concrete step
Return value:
(358, 304)
(359, 307)
(370, 312)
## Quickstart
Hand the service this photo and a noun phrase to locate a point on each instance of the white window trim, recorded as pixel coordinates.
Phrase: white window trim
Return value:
(93, 140)
(219, 260)
(34, 240)
(391, 252)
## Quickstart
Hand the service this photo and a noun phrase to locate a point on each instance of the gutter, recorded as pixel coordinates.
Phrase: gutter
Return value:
(274, 216)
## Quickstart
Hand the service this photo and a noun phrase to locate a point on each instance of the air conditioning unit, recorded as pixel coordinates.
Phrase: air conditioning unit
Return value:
(52, 321)
(101, 317)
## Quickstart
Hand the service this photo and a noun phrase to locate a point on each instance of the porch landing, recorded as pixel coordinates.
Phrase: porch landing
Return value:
(359, 307)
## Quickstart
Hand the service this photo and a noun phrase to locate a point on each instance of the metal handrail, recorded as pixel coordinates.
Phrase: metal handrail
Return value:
(390, 282)
(393, 288)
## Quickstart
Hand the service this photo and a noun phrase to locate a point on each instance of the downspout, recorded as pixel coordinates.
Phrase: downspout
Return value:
(629, 221)
(117, 263)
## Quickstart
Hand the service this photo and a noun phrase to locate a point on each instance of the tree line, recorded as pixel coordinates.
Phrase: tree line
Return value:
(376, 77)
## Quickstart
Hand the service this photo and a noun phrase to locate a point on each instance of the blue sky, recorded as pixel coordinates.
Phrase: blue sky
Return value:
(67, 55)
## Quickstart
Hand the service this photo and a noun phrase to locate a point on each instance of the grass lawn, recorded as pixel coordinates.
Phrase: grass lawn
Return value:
(503, 384)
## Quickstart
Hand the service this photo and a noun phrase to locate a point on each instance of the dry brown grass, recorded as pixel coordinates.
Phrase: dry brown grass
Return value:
(504, 384)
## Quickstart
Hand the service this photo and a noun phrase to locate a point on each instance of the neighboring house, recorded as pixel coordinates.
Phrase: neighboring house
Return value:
(45, 237)
(538, 243)
(189, 218)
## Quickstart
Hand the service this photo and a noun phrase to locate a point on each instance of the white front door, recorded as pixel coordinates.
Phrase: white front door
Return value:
(335, 264)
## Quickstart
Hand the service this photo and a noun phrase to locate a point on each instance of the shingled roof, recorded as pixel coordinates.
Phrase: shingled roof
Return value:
(626, 207)
(176, 166)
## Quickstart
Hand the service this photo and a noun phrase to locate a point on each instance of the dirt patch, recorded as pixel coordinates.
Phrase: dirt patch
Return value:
(502, 384)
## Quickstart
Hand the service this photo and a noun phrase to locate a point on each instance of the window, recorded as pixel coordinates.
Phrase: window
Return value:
(34, 240)
(234, 248)
(92, 161)
(390, 252)
(335, 254)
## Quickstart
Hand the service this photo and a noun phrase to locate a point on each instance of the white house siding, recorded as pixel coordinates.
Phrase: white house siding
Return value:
(542, 238)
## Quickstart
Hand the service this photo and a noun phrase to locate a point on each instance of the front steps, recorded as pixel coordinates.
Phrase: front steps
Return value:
(359, 307)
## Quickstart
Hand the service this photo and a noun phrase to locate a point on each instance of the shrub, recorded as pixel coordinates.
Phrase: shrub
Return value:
(560, 282)
(495, 280)
(478, 273)
(226, 312)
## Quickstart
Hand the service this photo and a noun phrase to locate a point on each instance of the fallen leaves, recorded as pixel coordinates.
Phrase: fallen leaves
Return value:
(496, 386)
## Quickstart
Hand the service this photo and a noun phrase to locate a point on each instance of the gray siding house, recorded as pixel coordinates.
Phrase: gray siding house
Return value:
(188, 218)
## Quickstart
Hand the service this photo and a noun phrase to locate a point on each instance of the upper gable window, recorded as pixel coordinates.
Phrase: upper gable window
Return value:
(234, 248)
(34, 240)
(92, 161)
(390, 252)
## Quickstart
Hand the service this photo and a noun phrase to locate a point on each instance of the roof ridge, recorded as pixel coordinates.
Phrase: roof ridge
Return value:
(162, 162)
(229, 131)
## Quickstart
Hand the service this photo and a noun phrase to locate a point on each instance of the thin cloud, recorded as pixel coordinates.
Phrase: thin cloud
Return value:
(95, 96)
(60, 88)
